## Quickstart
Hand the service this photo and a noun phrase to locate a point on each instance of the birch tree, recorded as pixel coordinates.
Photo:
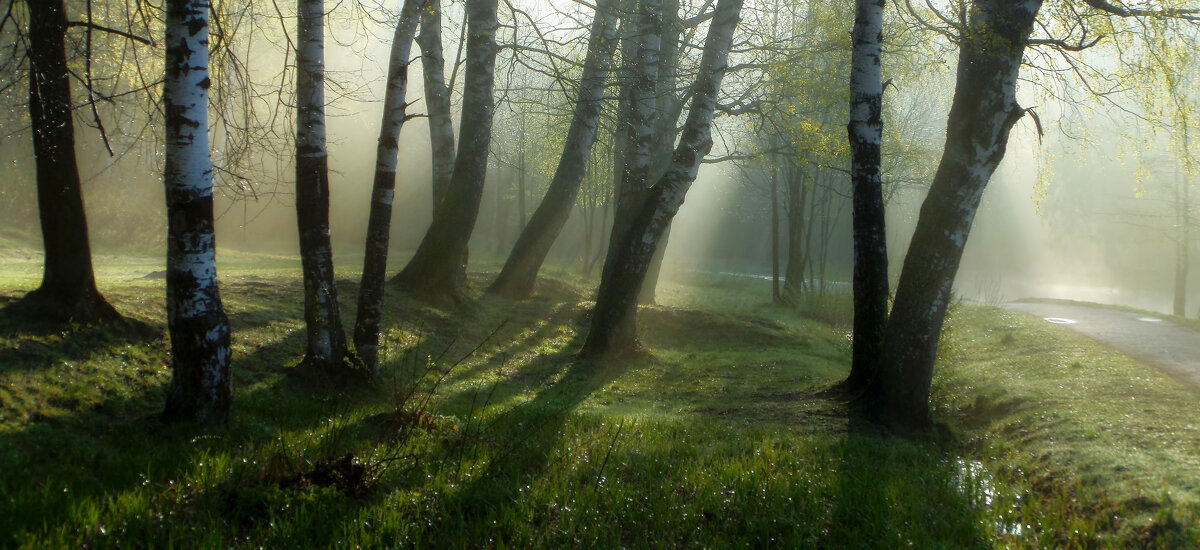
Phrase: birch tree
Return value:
(370, 297)
(865, 131)
(517, 277)
(636, 123)
(437, 99)
(436, 270)
(68, 290)
(327, 349)
(201, 381)
(613, 325)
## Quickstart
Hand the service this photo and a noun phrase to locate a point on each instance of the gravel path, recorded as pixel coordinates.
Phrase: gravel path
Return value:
(1173, 349)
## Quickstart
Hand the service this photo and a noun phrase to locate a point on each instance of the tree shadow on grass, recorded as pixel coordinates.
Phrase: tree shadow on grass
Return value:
(892, 493)
(520, 446)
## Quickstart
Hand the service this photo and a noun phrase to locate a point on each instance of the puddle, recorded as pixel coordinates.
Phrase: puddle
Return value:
(1149, 319)
(1059, 320)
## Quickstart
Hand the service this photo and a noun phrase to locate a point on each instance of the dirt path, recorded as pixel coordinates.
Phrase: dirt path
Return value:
(1173, 349)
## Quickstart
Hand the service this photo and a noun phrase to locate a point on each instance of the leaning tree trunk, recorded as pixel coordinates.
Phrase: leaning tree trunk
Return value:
(613, 326)
(669, 106)
(327, 350)
(379, 222)
(437, 99)
(640, 73)
(68, 290)
(521, 269)
(201, 382)
(982, 114)
(435, 272)
(865, 131)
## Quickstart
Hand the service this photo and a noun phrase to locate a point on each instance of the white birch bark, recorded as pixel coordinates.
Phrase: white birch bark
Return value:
(865, 132)
(201, 385)
(395, 111)
(327, 349)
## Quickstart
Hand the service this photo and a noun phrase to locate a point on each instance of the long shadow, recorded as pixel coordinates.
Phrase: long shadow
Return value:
(87, 457)
(892, 493)
(522, 444)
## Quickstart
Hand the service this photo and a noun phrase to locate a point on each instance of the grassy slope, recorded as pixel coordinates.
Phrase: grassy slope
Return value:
(718, 436)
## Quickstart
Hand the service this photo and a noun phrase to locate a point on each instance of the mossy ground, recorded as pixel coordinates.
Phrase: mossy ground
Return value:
(486, 431)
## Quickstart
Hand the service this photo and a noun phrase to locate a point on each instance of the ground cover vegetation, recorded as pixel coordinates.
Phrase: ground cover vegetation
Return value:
(486, 430)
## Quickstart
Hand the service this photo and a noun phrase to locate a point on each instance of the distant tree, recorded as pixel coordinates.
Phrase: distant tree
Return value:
(370, 297)
(517, 277)
(436, 270)
(201, 382)
(68, 290)
(613, 325)
(327, 350)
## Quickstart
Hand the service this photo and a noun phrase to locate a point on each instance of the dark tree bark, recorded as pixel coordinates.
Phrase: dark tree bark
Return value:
(68, 290)
(983, 112)
(437, 99)
(776, 295)
(201, 380)
(379, 222)
(613, 329)
(797, 263)
(327, 350)
(865, 131)
(520, 270)
(435, 272)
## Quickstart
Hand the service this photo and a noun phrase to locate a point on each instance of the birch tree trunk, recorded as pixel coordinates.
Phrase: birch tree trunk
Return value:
(613, 325)
(520, 271)
(435, 272)
(865, 131)
(669, 106)
(370, 294)
(201, 382)
(982, 114)
(327, 350)
(68, 290)
(640, 75)
(437, 99)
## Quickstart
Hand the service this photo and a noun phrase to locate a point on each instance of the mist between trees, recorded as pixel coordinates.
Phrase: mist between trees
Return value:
(522, 132)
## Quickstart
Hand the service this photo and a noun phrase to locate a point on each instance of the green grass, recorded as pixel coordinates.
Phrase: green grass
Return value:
(486, 431)
(1093, 447)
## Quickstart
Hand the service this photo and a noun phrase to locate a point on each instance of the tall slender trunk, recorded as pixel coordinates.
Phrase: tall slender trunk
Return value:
(437, 99)
(370, 294)
(327, 349)
(793, 278)
(640, 74)
(1183, 241)
(436, 270)
(613, 325)
(865, 131)
(982, 114)
(776, 296)
(517, 277)
(201, 380)
(68, 290)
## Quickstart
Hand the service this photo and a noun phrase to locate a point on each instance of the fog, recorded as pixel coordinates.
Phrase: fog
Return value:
(1064, 217)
